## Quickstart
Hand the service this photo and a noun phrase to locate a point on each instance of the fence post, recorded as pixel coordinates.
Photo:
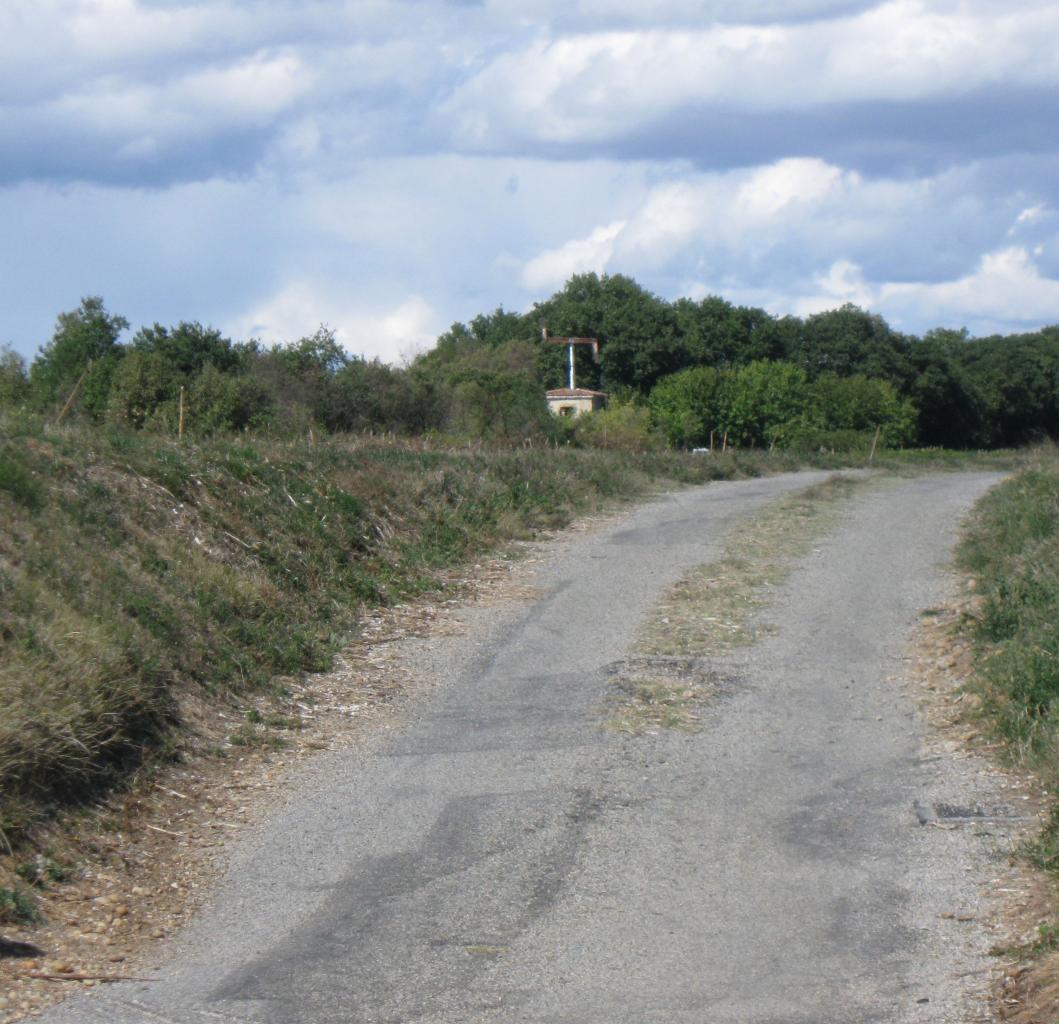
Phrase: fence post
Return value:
(73, 394)
(874, 443)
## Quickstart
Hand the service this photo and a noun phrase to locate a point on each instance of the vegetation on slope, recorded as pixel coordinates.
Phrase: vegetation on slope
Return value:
(132, 566)
(1011, 547)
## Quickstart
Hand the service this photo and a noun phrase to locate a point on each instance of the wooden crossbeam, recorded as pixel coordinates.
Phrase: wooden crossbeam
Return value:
(570, 343)
(554, 340)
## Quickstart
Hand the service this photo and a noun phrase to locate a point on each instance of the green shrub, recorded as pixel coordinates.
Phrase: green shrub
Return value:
(686, 406)
(17, 907)
(18, 482)
(14, 383)
(619, 427)
(1012, 548)
(142, 383)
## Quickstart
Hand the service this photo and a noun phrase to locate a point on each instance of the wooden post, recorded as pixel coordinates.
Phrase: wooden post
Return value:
(180, 419)
(73, 394)
(724, 443)
(711, 441)
(874, 443)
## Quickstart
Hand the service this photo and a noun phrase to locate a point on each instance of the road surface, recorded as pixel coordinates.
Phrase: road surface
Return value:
(500, 857)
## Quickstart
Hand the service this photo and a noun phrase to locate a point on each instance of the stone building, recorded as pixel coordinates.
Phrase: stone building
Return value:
(574, 401)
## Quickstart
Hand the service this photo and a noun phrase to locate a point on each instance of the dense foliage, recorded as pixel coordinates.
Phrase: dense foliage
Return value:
(688, 370)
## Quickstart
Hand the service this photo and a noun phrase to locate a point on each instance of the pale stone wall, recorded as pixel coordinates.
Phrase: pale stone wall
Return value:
(573, 406)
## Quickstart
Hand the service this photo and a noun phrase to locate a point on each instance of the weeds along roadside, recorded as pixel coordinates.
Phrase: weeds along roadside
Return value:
(1010, 549)
(134, 569)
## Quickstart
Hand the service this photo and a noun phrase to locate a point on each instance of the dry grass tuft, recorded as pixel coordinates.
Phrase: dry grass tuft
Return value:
(660, 693)
(711, 610)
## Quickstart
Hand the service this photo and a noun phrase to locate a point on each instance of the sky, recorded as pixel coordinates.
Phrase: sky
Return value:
(388, 167)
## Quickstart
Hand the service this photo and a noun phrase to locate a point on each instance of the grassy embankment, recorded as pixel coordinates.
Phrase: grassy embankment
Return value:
(137, 574)
(133, 569)
(1011, 549)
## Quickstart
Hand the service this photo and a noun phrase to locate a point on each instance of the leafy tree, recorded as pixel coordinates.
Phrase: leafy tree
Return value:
(85, 336)
(142, 383)
(489, 404)
(638, 332)
(859, 404)
(762, 402)
(476, 344)
(850, 340)
(952, 408)
(218, 401)
(314, 357)
(300, 377)
(1018, 377)
(685, 406)
(501, 327)
(14, 383)
(716, 333)
(369, 395)
(189, 348)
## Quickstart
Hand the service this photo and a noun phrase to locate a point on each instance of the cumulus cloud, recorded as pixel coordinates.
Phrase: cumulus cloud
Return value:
(390, 167)
(1005, 288)
(392, 334)
(124, 90)
(550, 269)
(800, 235)
(747, 218)
(1005, 291)
(602, 86)
(139, 92)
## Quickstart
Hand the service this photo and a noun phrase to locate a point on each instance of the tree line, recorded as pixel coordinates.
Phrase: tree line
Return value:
(679, 371)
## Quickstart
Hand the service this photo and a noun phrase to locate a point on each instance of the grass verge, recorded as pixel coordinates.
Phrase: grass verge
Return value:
(712, 609)
(135, 571)
(1010, 550)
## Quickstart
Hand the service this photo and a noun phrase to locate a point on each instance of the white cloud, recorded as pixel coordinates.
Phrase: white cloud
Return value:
(601, 85)
(253, 89)
(1006, 287)
(550, 269)
(742, 220)
(801, 235)
(250, 92)
(844, 281)
(327, 155)
(391, 334)
(1030, 217)
(769, 190)
(1003, 293)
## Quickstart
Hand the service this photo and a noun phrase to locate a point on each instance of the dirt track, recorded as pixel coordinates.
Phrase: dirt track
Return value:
(501, 857)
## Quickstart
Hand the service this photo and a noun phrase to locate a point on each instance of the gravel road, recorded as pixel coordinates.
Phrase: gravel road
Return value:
(499, 857)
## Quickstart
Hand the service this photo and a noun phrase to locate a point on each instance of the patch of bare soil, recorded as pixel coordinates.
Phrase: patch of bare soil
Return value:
(117, 881)
(1025, 987)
